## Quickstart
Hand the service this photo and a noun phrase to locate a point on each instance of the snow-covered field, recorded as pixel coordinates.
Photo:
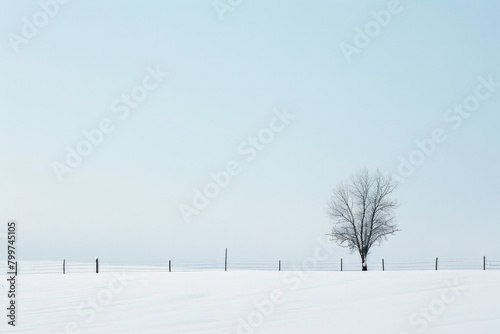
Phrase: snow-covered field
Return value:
(257, 302)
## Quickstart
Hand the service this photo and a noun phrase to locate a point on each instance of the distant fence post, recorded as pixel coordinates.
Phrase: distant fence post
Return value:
(341, 264)
(280, 266)
(225, 261)
(383, 265)
(64, 267)
(437, 261)
(169, 266)
(484, 262)
(96, 265)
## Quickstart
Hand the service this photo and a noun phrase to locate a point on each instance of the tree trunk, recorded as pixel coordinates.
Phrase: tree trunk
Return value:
(364, 265)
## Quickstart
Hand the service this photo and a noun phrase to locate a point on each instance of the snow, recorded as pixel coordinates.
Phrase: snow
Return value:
(402, 302)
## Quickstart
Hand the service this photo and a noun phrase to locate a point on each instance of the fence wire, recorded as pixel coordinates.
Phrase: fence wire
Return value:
(70, 267)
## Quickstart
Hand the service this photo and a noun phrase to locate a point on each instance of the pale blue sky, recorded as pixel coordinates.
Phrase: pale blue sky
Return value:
(225, 79)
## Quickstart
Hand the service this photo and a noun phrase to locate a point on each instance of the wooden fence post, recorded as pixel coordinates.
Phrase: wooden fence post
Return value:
(484, 262)
(64, 267)
(225, 262)
(280, 266)
(383, 265)
(341, 264)
(437, 261)
(97, 265)
(169, 266)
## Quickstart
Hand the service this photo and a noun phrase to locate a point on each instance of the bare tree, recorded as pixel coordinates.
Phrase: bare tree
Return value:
(363, 212)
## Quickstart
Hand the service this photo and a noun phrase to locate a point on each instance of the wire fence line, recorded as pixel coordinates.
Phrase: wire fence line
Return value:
(70, 267)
